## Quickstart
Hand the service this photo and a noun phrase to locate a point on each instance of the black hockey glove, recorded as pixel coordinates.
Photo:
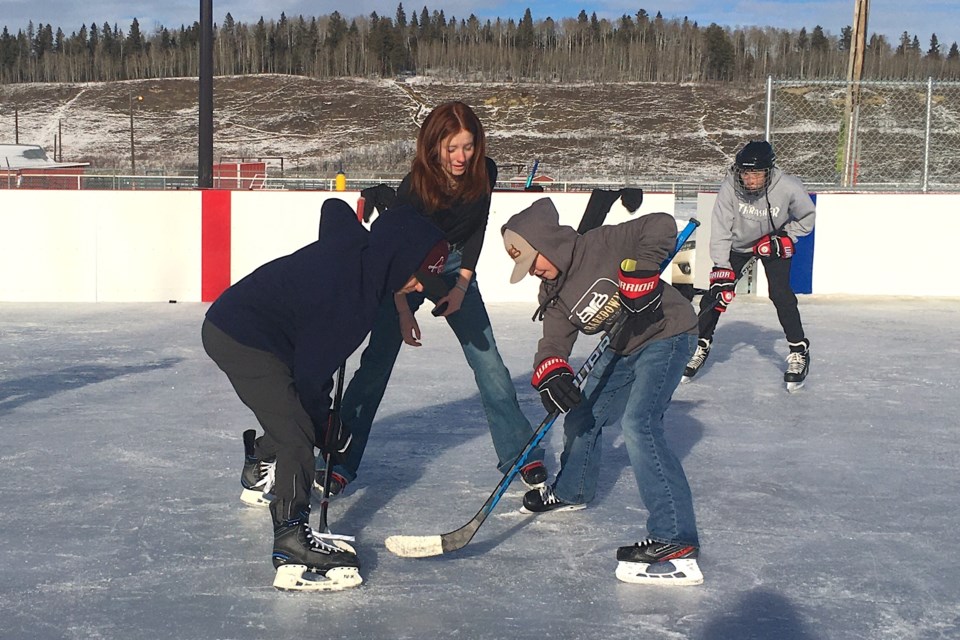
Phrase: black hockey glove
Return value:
(336, 439)
(641, 296)
(553, 378)
(774, 246)
(723, 282)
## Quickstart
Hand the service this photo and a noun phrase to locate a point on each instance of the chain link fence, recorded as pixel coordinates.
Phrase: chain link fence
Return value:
(906, 135)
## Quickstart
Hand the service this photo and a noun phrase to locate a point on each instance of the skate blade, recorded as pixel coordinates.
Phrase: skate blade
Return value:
(793, 387)
(296, 577)
(678, 573)
(253, 498)
(567, 507)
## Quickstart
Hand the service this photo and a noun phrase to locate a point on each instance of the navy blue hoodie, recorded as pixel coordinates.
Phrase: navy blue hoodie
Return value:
(314, 307)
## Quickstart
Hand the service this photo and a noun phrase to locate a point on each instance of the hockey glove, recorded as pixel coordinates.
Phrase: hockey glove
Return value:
(774, 246)
(553, 378)
(641, 295)
(723, 281)
(336, 439)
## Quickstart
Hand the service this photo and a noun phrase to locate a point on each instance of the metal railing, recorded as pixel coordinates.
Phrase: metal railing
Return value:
(683, 189)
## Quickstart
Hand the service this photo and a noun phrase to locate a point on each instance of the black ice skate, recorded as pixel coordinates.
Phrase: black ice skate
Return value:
(257, 476)
(662, 563)
(697, 360)
(543, 500)
(307, 561)
(534, 475)
(798, 364)
(337, 483)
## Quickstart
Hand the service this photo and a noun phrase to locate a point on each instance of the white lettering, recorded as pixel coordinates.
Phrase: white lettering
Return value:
(594, 306)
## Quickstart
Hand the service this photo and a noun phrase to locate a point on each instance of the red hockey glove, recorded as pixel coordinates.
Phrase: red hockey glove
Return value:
(774, 246)
(723, 281)
(641, 295)
(553, 378)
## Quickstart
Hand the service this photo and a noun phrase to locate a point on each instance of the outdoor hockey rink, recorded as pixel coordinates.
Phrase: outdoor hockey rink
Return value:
(832, 513)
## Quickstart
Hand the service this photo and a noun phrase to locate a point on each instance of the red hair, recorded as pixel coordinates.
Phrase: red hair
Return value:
(428, 180)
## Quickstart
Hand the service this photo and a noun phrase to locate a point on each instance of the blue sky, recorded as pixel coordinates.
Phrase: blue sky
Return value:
(888, 17)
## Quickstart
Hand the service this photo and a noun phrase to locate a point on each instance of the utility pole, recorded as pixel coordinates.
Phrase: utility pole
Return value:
(205, 142)
(858, 45)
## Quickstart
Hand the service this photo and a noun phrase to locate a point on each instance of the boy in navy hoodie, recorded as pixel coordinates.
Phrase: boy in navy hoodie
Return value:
(280, 333)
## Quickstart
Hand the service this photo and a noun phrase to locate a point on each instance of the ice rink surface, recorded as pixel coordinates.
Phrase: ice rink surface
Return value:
(829, 513)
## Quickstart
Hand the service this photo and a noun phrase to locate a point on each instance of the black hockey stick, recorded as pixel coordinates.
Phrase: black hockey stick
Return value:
(435, 545)
(334, 421)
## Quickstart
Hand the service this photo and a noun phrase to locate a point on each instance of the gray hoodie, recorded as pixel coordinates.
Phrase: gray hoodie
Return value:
(584, 297)
(739, 222)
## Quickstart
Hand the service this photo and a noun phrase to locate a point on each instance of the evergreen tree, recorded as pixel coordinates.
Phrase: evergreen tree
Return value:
(718, 53)
(818, 41)
(134, 42)
(525, 35)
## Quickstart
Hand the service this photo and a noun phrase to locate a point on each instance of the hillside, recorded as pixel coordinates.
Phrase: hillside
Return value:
(579, 132)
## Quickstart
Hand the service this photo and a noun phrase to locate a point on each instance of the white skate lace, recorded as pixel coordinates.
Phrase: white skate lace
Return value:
(268, 471)
(699, 357)
(547, 496)
(796, 361)
(319, 541)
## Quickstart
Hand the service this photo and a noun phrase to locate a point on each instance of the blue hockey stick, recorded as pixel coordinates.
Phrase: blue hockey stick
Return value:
(435, 545)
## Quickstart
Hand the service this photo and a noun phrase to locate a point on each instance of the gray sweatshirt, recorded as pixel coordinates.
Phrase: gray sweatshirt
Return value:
(739, 222)
(584, 296)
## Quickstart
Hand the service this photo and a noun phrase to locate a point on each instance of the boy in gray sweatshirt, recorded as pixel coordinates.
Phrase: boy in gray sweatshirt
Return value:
(760, 211)
(588, 282)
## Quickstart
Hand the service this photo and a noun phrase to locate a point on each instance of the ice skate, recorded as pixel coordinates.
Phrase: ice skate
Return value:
(798, 364)
(258, 475)
(534, 475)
(543, 500)
(660, 563)
(697, 360)
(337, 484)
(307, 561)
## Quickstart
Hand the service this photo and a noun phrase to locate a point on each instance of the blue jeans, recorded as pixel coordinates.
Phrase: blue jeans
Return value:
(509, 428)
(635, 389)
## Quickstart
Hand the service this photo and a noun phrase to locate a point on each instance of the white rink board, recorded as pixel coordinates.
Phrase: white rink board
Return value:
(887, 244)
(90, 246)
(122, 246)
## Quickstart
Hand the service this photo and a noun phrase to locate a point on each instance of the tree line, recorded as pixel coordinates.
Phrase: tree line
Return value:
(633, 48)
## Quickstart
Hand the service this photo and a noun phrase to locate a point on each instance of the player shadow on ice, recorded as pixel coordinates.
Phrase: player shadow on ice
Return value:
(759, 613)
(18, 392)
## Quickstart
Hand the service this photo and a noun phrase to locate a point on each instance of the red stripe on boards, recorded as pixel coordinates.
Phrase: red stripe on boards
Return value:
(215, 244)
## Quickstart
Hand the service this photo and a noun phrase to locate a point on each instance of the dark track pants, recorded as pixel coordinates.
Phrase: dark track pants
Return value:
(778, 289)
(265, 385)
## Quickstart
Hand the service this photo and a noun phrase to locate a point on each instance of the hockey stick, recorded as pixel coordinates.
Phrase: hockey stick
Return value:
(435, 545)
(322, 525)
(533, 172)
(334, 419)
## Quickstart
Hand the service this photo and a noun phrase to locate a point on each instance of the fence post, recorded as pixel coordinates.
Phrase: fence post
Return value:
(926, 137)
(766, 131)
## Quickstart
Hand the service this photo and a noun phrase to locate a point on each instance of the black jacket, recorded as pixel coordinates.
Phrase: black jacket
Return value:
(463, 223)
(314, 307)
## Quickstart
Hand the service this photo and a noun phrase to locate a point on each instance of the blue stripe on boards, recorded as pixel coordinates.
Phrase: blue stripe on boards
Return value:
(801, 271)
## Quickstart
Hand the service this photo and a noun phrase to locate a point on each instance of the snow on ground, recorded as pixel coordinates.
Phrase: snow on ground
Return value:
(830, 513)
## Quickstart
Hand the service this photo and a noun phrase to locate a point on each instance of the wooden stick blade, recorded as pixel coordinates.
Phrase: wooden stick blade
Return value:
(415, 546)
